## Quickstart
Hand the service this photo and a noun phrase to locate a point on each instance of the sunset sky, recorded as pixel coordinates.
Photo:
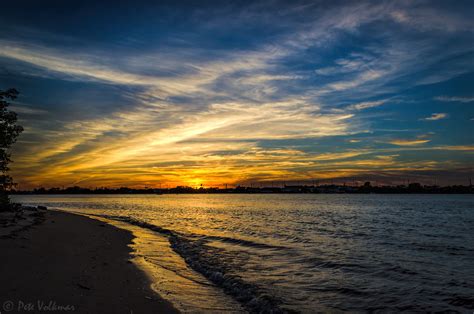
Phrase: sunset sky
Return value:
(134, 94)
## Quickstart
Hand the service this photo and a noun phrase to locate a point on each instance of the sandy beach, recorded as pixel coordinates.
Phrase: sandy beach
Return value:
(71, 263)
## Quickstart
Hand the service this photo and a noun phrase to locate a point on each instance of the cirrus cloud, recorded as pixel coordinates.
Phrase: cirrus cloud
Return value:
(436, 116)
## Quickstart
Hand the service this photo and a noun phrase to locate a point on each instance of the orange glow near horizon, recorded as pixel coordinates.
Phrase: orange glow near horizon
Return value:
(213, 169)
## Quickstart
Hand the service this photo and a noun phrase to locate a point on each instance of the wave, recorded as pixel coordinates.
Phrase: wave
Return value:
(243, 242)
(208, 261)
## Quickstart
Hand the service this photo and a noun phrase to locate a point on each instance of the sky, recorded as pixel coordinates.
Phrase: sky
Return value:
(134, 93)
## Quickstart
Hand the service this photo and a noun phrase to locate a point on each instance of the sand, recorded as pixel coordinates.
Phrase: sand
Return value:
(71, 263)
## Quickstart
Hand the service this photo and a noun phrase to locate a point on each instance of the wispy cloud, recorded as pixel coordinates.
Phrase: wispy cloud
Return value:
(367, 104)
(29, 110)
(436, 116)
(455, 99)
(403, 142)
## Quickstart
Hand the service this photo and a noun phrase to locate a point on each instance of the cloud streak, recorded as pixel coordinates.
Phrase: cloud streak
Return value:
(455, 99)
(367, 104)
(436, 116)
(402, 142)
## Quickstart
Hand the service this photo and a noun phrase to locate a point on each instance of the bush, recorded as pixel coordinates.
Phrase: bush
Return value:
(9, 132)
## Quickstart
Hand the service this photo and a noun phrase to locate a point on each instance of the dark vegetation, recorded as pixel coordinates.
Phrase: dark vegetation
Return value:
(412, 188)
(9, 132)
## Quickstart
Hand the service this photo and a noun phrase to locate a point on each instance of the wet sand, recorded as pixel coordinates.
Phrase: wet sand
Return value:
(71, 263)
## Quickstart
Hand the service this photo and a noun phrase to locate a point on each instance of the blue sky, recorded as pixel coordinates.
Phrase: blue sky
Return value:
(135, 94)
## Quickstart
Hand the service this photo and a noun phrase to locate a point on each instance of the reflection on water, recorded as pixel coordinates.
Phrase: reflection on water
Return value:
(303, 252)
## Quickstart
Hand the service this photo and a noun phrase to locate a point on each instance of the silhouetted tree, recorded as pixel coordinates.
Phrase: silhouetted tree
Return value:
(9, 131)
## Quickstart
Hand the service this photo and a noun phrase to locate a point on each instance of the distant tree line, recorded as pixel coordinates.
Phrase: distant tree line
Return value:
(412, 188)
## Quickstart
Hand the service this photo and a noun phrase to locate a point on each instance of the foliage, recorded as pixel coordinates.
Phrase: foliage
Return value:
(9, 132)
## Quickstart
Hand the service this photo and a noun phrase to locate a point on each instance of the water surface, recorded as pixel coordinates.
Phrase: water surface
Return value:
(300, 252)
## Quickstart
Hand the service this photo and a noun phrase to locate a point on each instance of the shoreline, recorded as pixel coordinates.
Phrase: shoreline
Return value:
(72, 263)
